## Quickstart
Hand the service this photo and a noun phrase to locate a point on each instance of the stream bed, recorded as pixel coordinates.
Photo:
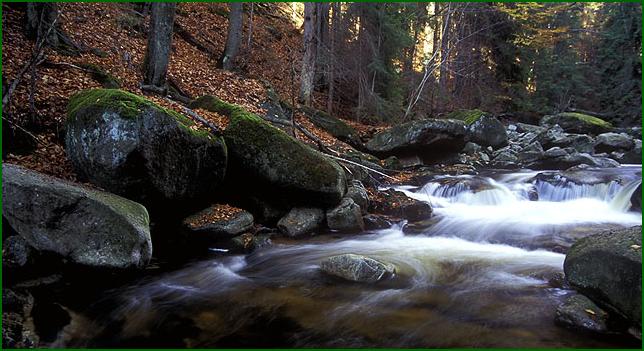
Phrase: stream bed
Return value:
(483, 274)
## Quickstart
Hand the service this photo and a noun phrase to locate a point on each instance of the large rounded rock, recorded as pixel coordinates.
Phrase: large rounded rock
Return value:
(218, 222)
(358, 193)
(301, 221)
(270, 160)
(609, 142)
(357, 268)
(133, 147)
(483, 128)
(346, 217)
(88, 227)
(430, 138)
(580, 123)
(607, 268)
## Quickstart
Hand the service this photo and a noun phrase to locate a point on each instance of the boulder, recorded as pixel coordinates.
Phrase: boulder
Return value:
(396, 204)
(636, 199)
(607, 268)
(334, 126)
(269, 160)
(573, 122)
(529, 128)
(374, 222)
(301, 221)
(358, 193)
(346, 217)
(130, 146)
(579, 312)
(16, 252)
(471, 148)
(214, 224)
(609, 142)
(429, 138)
(85, 226)
(17, 327)
(483, 128)
(357, 268)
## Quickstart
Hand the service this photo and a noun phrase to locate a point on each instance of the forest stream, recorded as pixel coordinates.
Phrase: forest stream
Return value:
(487, 272)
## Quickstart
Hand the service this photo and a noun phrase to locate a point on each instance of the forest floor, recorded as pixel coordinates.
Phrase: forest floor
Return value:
(113, 37)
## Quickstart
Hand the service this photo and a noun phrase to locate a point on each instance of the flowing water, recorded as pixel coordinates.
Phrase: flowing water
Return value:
(480, 276)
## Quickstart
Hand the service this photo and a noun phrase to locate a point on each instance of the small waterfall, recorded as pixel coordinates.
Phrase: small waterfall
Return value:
(622, 200)
(484, 209)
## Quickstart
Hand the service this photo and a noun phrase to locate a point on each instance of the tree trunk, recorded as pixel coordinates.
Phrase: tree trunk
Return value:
(335, 24)
(233, 40)
(445, 50)
(310, 53)
(159, 44)
(40, 17)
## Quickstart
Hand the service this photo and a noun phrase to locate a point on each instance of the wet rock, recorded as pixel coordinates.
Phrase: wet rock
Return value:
(16, 252)
(16, 310)
(488, 131)
(579, 312)
(505, 159)
(205, 225)
(85, 226)
(607, 268)
(130, 146)
(301, 221)
(529, 128)
(609, 142)
(636, 199)
(357, 268)
(396, 204)
(358, 193)
(573, 122)
(471, 148)
(555, 152)
(430, 138)
(248, 242)
(374, 222)
(346, 217)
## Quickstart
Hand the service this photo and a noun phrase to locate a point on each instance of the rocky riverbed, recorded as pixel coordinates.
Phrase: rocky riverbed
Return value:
(458, 232)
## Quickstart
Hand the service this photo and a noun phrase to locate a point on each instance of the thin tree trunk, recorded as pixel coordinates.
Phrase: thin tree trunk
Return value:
(250, 26)
(235, 22)
(310, 53)
(335, 23)
(445, 50)
(159, 44)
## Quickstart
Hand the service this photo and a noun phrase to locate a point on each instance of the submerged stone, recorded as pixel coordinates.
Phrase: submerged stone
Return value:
(357, 268)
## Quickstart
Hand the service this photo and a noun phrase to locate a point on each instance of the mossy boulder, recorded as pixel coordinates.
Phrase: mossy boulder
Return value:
(607, 268)
(334, 126)
(269, 160)
(483, 128)
(130, 146)
(87, 227)
(432, 139)
(573, 122)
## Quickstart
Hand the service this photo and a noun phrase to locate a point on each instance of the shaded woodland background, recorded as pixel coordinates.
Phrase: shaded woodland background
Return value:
(368, 63)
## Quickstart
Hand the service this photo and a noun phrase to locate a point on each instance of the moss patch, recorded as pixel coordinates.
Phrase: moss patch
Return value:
(127, 105)
(467, 116)
(586, 119)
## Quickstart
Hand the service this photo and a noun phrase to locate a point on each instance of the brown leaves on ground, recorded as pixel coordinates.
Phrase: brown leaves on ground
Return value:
(215, 213)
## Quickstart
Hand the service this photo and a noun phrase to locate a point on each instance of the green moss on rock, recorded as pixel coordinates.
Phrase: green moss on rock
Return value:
(102, 76)
(586, 119)
(467, 116)
(126, 104)
(274, 157)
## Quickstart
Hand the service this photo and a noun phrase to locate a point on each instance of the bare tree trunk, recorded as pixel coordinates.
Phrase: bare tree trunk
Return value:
(445, 50)
(310, 53)
(250, 26)
(335, 23)
(233, 40)
(159, 45)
